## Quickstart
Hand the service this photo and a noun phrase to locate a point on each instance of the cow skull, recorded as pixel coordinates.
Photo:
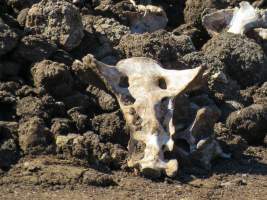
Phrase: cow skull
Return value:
(145, 92)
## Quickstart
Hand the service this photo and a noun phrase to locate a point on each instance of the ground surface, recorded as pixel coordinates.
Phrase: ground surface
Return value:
(244, 179)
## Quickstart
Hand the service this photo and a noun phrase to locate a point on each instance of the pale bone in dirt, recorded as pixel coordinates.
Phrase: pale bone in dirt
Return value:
(147, 18)
(238, 20)
(145, 92)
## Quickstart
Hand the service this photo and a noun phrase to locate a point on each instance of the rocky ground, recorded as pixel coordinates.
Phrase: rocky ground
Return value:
(62, 134)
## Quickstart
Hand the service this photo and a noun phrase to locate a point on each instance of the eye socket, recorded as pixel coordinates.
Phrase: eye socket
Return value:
(124, 82)
(162, 83)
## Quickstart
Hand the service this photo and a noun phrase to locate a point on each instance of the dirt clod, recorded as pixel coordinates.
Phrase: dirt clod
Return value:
(34, 137)
(250, 122)
(58, 20)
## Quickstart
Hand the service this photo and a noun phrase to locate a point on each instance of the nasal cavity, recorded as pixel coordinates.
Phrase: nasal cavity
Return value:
(162, 83)
(124, 82)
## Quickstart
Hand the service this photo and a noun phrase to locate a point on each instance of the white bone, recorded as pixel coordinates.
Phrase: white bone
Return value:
(147, 18)
(262, 33)
(200, 137)
(237, 20)
(243, 17)
(144, 99)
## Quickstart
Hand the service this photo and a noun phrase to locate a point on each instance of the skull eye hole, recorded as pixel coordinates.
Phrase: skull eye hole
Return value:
(124, 82)
(162, 83)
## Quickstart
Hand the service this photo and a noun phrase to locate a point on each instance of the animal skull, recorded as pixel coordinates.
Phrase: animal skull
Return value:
(145, 92)
(238, 20)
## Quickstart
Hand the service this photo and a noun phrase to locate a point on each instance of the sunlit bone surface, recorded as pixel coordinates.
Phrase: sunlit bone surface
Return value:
(147, 18)
(261, 32)
(238, 20)
(145, 92)
(244, 18)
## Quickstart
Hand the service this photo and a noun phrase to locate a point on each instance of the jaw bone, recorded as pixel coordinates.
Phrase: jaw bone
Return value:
(145, 92)
(238, 20)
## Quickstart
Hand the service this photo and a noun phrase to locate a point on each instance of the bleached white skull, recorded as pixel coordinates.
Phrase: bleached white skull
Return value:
(238, 20)
(145, 92)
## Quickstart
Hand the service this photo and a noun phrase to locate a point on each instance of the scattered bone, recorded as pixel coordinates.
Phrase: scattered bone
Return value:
(237, 20)
(215, 22)
(200, 137)
(76, 1)
(261, 32)
(147, 18)
(244, 18)
(145, 92)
